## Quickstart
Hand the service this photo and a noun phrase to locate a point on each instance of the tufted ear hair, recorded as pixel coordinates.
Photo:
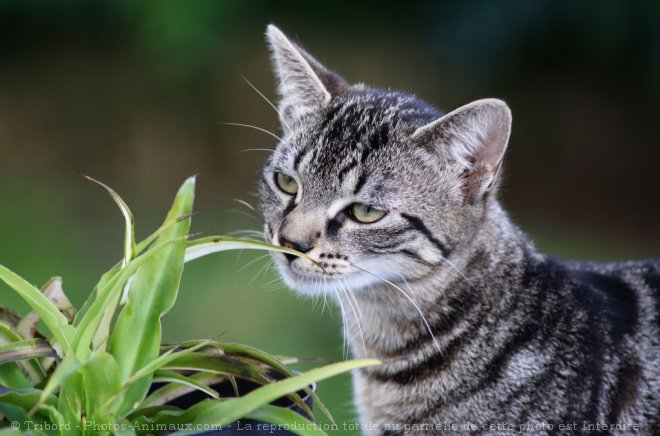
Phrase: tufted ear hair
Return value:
(474, 137)
(305, 86)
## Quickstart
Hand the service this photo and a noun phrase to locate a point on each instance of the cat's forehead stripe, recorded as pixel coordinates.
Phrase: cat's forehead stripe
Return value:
(360, 183)
(348, 133)
(299, 157)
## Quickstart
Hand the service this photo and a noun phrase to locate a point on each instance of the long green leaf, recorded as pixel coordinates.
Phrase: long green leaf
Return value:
(48, 312)
(137, 332)
(216, 364)
(231, 410)
(178, 385)
(129, 233)
(213, 244)
(130, 252)
(173, 377)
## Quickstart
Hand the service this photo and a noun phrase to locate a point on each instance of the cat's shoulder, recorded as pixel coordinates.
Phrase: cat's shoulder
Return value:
(603, 274)
(624, 292)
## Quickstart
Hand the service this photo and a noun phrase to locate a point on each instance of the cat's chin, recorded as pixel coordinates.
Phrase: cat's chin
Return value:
(309, 284)
(319, 284)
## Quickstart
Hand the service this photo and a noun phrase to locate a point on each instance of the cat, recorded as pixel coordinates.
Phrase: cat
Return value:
(395, 204)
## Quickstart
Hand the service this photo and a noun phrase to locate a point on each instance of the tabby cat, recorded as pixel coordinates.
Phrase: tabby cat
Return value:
(396, 205)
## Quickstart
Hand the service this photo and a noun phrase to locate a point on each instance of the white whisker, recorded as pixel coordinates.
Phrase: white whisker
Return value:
(275, 284)
(261, 270)
(325, 302)
(245, 203)
(269, 102)
(268, 132)
(451, 264)
(244, 213)
(344, 322)
(355, 315)
(412, 301)
(267, 150)
(255, 235)
(352, 294)
(247, 265)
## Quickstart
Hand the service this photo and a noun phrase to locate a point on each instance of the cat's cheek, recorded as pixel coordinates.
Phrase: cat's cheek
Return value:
(429, 254)
(287, 275)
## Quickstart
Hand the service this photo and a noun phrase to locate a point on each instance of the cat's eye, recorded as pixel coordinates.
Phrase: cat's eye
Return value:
(364, 213)
(286, 183)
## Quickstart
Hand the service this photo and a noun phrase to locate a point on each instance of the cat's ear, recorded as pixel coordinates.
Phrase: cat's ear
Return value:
(305, 86)
(474, 137)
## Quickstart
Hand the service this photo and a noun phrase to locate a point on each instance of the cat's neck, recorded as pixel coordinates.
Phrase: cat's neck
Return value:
(390, 314)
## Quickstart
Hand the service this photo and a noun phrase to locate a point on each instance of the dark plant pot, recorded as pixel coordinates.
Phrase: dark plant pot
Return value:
(243, 427)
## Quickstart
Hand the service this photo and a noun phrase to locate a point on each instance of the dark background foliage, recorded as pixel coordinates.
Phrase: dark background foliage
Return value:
(132, 93)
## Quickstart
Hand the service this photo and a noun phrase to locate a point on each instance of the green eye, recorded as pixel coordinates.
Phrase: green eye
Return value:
(365, 214)
(286, 183)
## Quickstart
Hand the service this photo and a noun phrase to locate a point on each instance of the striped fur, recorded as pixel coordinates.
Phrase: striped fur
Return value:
(476, 327)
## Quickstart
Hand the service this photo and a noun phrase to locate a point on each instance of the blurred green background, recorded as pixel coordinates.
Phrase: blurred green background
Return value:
(132, 92)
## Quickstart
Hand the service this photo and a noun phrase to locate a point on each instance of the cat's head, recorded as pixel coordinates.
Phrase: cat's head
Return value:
(372, 184)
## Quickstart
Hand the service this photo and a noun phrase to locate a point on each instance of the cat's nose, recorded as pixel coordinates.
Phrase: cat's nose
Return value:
(302, 246)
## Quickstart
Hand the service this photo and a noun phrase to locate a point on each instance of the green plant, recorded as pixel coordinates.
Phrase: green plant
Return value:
(93, 371)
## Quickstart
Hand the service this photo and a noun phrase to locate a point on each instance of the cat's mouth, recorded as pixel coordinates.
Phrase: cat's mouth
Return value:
(314, 275)
(317, 266)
